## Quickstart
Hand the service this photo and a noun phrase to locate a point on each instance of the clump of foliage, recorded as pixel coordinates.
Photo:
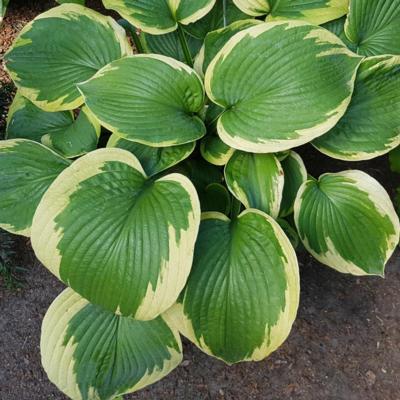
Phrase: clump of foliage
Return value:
(181, 223)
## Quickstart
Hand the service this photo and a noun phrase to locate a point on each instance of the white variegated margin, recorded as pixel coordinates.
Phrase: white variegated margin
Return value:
(46, 235)
(378, 196)
(254, 8)
(275, 335)
(304, 135)
(67, 11)
(57, 357)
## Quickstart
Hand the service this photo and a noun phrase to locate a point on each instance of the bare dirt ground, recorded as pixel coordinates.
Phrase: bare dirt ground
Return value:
(345, 344)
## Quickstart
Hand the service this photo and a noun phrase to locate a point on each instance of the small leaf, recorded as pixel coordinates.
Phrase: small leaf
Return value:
(90, 353)
(394, 157)
(295, 175)
(159, 16)
(347, 221)
(153, 159)
(256, 180)
(215, 151)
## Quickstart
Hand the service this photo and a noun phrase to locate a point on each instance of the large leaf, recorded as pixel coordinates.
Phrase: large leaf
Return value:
(374, 26)
(279, 97)
(80, 138)
(90, 353)
(371, 124)
(256, 180)
(215, 19)
(59, 48)
(119, 239)
(243, 292)
(215, 151)
(347, 221)
(314, 11)
(58, 130)
(295, 175)
(153, 159)
(160, 16)
(214, 41)
(26, 171)
(150, 99)
(25, 120)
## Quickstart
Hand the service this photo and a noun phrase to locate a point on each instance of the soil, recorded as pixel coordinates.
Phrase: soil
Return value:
(345, 343)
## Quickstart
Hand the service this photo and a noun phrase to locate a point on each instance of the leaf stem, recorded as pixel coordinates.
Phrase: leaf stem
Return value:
(132, 30)
(185, 47)
(235, 208)
(224, 13)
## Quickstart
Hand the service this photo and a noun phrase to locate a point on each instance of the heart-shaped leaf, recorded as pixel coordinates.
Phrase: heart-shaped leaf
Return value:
(279, 97)
(347, 221)
(90, 353)
(150, 99)
(243, 292)
(160, 16)
(119, 239)
(59, 48)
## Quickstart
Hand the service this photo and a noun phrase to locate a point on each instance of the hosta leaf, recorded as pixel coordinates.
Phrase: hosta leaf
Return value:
(215, 151)
(374, 26)
(153, 159)
(27, 169)
(256, 180)
(290, 232)
(160, 16)
(371, 124)
(279, 97)
(215, 19)
(169, 45)
(58, 130)
(337, 27)
(347, 221)
(314, 11)
(242, 294)
(151, 99)
(90, 353)
(295, 174)
(59, 48)
(27, 121)
(215, 40)
(117, 238)
(79, 138)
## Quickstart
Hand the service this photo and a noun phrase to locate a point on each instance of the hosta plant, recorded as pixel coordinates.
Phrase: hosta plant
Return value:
(163, 186)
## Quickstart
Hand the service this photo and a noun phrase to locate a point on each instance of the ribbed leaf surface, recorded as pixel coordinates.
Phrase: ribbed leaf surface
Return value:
(60, 48)
(117, 238)
(93, 354)
(347, 221)
(242, 295)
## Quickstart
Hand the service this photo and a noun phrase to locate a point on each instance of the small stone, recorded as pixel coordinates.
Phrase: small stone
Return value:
(371, 378)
